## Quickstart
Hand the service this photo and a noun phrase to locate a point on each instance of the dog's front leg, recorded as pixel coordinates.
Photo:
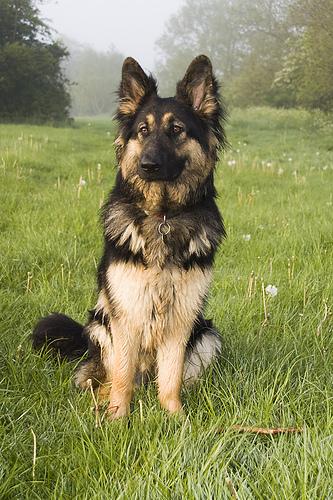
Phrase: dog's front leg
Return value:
(126, 347)
(170, 365)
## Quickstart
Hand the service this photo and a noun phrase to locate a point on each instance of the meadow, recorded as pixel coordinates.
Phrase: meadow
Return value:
(275, 187)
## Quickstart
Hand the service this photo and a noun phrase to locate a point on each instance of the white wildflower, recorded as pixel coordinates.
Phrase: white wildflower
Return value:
(231, 163)
(269, 164)
(290, 159)
(271, 290)
(82, 182)
(99, 166)
(280, 171)
(246, 237)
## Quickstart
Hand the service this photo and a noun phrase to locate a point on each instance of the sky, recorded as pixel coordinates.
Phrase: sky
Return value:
(131, 26)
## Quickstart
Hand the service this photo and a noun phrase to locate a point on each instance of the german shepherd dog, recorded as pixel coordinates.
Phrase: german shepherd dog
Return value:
(161, 229)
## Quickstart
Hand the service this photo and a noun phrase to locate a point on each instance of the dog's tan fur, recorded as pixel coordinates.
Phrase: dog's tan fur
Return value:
(153, 310)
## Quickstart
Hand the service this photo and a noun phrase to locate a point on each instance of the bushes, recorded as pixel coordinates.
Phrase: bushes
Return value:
(32, 85)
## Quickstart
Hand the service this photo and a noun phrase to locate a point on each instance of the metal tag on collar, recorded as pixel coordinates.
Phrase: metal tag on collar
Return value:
(164, 228)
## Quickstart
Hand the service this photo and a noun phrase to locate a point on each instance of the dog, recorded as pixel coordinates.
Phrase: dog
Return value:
(162, 229)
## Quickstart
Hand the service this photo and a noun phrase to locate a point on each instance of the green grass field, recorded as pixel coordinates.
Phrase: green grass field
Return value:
(276, 195)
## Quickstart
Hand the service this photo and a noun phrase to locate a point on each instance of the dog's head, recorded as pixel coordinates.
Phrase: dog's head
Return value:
(173, 142)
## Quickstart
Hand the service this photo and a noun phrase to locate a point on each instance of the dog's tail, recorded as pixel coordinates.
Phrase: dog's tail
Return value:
(203, 349)
(60, 334)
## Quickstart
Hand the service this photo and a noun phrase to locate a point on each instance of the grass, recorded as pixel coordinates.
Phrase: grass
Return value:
(276, 185)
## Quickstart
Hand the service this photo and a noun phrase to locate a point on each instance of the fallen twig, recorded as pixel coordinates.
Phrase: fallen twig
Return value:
(265, 431)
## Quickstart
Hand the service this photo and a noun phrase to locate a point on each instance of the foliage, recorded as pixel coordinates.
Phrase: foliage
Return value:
(307, 71)
(20, 22)
(275, 184)
(277, 52)
(32, 85)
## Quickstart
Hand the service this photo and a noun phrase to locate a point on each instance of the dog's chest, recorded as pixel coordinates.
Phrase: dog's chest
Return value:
(154, 302)
(165, 242)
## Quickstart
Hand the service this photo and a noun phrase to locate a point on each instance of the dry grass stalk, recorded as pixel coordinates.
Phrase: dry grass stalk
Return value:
(231, 487)
(96, 408)
(34, 455)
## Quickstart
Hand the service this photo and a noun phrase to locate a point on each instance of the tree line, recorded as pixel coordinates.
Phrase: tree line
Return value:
(266, 52)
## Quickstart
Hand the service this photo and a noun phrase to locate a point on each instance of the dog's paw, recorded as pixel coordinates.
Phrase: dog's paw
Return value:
(172, 405)
(114, 412)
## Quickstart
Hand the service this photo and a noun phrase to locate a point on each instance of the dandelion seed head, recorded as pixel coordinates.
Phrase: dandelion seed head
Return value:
(271, 290)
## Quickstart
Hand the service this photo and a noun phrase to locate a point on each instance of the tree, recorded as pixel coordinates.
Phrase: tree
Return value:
(244, 38)
(211, 27)
(96, 77)
(266, 27)
(275, 52)
(307, 72)
(32, 85)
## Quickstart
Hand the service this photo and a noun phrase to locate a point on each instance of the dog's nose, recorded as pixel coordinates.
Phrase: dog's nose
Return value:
(149, 165)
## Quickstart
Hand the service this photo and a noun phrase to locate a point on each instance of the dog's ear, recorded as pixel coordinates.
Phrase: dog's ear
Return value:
(135, 86)
(199, 88)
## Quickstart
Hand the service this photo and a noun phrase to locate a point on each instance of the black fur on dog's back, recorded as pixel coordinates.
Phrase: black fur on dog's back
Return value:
(60, 334)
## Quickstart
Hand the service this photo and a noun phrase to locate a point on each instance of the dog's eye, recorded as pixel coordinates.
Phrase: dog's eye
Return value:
(177, 129)
(143, 130)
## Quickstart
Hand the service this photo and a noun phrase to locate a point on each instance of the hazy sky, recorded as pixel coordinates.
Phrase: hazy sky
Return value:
(132, 26)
